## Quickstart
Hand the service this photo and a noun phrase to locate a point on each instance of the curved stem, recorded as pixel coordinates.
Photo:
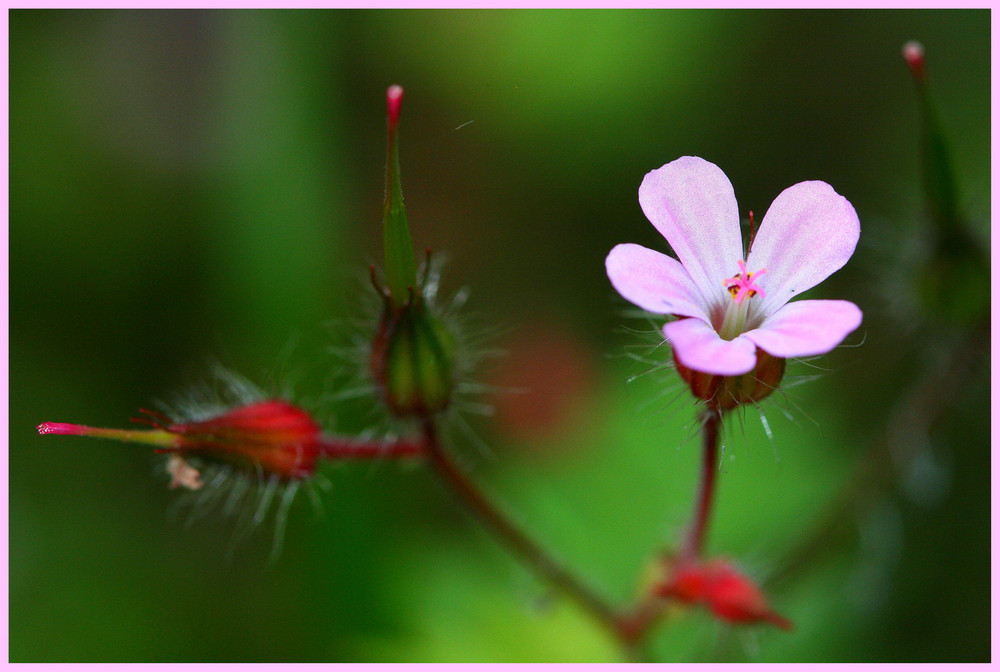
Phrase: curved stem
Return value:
(641, 618)
(514, 537)
(711, 422)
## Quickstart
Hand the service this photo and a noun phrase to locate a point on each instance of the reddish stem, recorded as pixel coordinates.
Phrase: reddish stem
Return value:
(703, 504)
(514, 537)
(339, 448)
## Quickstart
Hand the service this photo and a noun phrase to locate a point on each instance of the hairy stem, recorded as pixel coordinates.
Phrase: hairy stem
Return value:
(711, 422)
(340, 448)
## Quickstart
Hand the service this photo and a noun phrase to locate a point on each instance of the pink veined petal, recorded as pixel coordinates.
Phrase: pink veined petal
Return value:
(691, 203)
(653, 281)
(805, 328)
(698, 347)
(809, 232)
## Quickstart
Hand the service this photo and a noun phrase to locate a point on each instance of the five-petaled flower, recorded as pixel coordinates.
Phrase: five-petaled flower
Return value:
(733, 308)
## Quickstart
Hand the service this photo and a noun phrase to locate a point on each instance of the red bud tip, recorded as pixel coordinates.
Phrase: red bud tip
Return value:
(61, 428)
(913, 54)
(393, 99)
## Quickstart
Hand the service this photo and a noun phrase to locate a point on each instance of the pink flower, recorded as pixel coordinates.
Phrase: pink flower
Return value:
(731, 305)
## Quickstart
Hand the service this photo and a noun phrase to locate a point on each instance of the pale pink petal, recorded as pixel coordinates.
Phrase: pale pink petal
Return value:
(698, 347)
(691, 202)
(653, 281)
(806, 328)
(808, 233)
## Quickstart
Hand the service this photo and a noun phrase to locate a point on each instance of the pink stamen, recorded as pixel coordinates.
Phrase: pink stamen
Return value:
(742, 285)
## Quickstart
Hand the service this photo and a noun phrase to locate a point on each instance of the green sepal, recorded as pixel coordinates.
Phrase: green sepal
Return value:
(414, 364)
(400, 262)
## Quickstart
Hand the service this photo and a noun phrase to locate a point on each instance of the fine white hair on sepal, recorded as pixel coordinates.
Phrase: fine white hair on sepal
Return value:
(223, 390)
(662, 387)
(245, 496)
(247, 500)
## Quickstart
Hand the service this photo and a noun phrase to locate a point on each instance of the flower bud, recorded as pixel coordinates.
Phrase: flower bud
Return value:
(726, 591)
(728, 392)
(272, 436)
(412, 354)
(412, 360)
(279, 437)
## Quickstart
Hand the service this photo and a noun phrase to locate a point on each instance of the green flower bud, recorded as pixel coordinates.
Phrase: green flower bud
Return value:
(413, 352)
(413, 360)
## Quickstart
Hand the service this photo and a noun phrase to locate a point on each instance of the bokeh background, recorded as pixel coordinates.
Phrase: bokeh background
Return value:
(190, 187)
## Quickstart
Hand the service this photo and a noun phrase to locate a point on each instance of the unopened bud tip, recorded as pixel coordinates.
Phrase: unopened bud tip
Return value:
(393, 99)
(913, 54)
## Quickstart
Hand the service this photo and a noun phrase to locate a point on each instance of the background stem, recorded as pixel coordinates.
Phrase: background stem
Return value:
(473, 499)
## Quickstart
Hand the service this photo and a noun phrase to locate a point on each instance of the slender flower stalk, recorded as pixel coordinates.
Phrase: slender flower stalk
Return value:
(340, 448)
(706, 491)
(525, 547)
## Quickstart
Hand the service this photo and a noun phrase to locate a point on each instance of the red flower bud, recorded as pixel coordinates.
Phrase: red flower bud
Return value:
(722, 588)
(281, 438)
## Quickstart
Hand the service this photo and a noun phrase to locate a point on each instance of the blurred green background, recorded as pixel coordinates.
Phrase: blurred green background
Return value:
(189, 187)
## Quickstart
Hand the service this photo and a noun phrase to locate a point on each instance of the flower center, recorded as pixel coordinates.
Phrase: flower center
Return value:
(741, 287)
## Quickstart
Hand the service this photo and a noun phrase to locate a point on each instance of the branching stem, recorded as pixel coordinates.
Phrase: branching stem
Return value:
(629, 627)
